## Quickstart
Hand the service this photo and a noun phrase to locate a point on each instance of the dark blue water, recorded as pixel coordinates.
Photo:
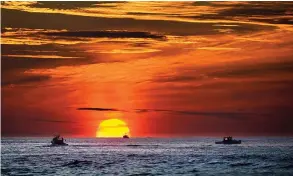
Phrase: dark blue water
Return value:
(147, 156)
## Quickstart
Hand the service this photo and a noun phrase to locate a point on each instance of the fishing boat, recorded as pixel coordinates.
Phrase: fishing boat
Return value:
(125, 136)
(228, 140)
(58, 141)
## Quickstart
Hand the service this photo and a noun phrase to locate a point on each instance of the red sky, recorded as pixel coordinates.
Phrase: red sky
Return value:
(165, 68)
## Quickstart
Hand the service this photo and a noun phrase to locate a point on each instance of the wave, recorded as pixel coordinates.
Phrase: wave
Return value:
(21, 159)
(245, 156)
(256, 156)
(6, 171)
(20, 170)
(194, 171)
(240, 164)
(77, 163)
(231, 157)
(215, 162)
(288, 166)
(137, 145)
(188, 172)
(141, 156)
(140, 174)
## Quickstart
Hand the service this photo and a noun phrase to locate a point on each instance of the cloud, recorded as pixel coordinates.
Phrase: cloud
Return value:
(26, 63)
(129, 51)
(30, 36)
(199, 113)
(64, 5)
(40, 56)
(219, 48)
(203, 26)
(54, 121)
(107, 34)
(197, 75)
(25, 80)
(98, 109)
(257, 9)
(249, 70)
(178, 78)
(194, 113)
(75, 4)
(266, 12)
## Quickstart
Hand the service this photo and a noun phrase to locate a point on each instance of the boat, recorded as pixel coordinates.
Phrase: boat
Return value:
(228, 140)
(58, 141)
(125, 136)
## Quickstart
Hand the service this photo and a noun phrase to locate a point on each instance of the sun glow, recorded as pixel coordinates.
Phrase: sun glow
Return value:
(112, 128)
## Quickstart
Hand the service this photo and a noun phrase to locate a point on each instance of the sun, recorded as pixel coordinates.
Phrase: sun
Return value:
(112, 128)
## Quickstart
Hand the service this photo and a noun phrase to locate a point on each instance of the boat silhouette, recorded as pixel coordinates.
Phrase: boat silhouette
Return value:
(125, 136)
(228, 140)
(58, 141)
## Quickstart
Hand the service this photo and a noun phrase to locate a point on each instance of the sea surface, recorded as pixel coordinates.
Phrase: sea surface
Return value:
(147, 156)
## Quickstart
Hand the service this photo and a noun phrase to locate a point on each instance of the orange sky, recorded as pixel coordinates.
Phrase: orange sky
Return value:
(167, 68)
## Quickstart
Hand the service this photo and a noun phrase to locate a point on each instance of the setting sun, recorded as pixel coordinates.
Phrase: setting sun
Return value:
(112, 128)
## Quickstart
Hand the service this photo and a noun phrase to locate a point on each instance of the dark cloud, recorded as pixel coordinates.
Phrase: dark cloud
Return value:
(21, 49)
(20, 19)
(141, 44)
(13, 68)
(25, 80)
(202, 3)
(108, 34)
(146, 13)
(253, 70)
(10, 63)
(247, 5)
(98, 109)
(194, 113)
(54, 121)
(198, 113)
(74, 4)
(65, 5)
(257, 10)
(280, 20)
(267, 12)
(227, 71)
(178, 78)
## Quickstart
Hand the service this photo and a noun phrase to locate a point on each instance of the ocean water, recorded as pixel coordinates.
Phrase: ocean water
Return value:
(147, 156)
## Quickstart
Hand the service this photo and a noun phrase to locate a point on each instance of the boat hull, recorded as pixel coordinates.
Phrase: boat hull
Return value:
(56, 145)
(229, 142)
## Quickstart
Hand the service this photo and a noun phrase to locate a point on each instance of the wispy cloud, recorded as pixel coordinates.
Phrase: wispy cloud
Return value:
(218, 48)
(25, 80)
(26, 63)
(98, 109)
(31, 36)
(129, 51)
(53, 121)
(108, 34)
(40, 56)
(183, 112)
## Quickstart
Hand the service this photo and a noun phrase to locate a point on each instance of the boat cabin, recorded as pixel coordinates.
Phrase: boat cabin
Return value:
(229, 138)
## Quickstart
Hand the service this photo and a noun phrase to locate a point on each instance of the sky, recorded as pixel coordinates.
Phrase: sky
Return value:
(166, 69)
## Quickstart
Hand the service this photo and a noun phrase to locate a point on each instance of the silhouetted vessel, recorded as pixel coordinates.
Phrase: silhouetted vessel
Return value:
(228, 140)
(125, 136)
(57, 141)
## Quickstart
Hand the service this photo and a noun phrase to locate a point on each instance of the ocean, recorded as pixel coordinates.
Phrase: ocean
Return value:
(147, 156)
